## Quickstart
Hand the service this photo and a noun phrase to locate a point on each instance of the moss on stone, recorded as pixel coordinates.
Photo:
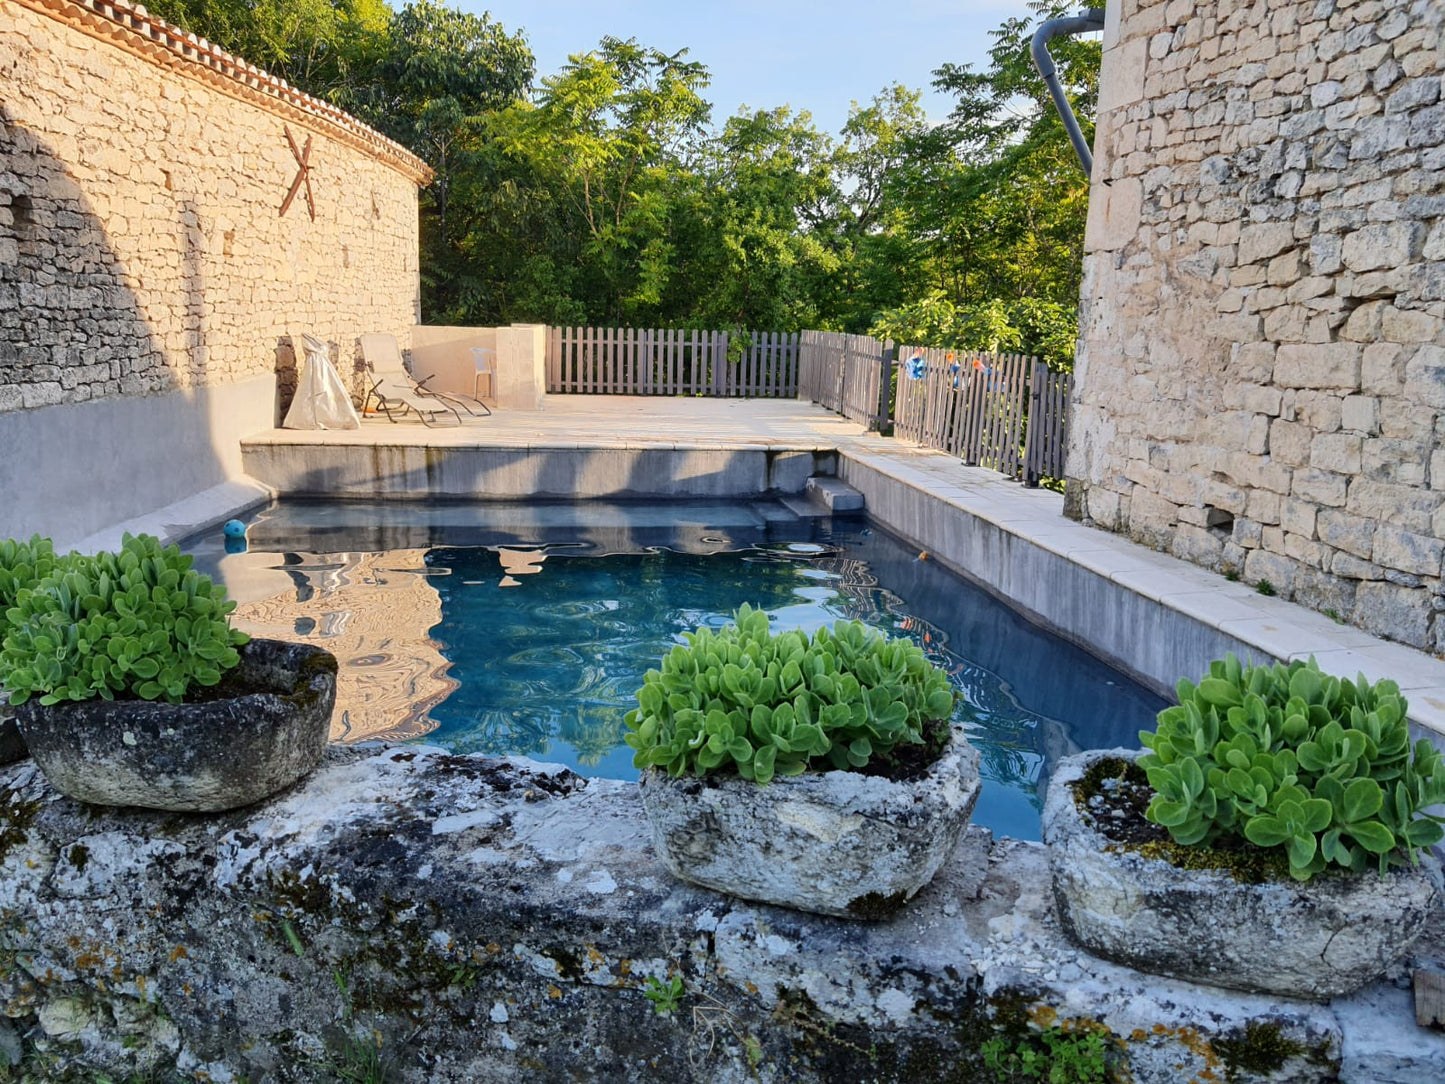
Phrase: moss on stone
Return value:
(391, 946)
(16, 816)
(1247, 865)
(1092, 782)
(79, 855)
(1261, 1048)
(301, 693)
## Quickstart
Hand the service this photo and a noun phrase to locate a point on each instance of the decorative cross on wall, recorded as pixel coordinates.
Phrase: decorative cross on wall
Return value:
(303, 176)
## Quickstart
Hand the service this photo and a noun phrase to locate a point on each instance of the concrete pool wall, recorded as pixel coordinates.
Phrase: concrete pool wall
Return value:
(1154, 616)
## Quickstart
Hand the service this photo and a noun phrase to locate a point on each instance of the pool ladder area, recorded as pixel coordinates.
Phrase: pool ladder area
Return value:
(824, 496)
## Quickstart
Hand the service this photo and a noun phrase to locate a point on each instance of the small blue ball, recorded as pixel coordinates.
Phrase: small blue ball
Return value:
(234, 528)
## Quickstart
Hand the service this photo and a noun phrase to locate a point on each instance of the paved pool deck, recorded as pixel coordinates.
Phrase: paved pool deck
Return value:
(603, 421)
(1155, 616)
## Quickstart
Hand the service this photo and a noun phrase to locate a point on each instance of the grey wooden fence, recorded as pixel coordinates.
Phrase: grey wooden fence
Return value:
(1005, 412)
(637, 361)
(1048, 424)
(846, 373)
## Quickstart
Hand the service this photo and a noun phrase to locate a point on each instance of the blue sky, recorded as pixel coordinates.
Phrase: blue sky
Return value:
(809, 54)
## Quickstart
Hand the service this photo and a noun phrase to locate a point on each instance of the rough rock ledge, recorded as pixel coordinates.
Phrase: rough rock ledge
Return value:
(472, 919)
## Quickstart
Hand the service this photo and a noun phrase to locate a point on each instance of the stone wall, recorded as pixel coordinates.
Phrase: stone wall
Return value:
(142, 248)
(1261, 363)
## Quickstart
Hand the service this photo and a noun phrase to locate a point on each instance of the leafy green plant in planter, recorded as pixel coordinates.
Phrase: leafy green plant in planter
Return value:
(22, 564)
(132, 688)
(1287, 757)
(742, 699)
(738, 734)
(139, 623)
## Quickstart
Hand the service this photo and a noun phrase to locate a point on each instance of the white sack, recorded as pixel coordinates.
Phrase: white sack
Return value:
(321, 399)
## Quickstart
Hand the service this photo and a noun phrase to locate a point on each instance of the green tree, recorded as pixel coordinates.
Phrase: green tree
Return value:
(753, 262)
(998, 200)
(614, 135)
(328, 48)
(443, 72)
(870, 225)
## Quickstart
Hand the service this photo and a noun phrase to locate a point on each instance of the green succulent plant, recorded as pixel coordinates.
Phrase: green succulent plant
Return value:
(139, 623)
(742, 699)
(22, 565)
(1286, 756)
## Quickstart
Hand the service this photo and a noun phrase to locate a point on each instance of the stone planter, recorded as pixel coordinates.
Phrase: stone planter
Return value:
(198, 757)
(1316, 939)
(834, 843)
(12, 745)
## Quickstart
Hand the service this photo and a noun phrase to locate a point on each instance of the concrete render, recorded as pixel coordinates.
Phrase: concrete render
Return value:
(82, 473)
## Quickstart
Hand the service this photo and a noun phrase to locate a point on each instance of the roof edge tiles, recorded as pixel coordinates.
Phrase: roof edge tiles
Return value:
(132, 28)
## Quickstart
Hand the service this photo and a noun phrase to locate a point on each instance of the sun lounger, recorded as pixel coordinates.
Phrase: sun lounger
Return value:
(396, 392)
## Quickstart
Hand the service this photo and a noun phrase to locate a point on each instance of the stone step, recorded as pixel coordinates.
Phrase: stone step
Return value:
(807, 506)
(837, 495)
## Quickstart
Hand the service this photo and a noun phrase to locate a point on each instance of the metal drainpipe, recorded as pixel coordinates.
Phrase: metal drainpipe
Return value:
(1087, 21)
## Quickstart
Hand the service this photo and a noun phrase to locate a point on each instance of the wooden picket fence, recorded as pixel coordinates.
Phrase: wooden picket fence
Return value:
(1049, 393)
(1005, 412)
(847, 374)
(637, 361)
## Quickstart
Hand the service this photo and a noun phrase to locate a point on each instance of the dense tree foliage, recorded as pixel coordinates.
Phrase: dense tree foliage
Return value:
(606, 194)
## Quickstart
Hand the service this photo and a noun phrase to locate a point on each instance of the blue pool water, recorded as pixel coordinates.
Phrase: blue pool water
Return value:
(501, 629)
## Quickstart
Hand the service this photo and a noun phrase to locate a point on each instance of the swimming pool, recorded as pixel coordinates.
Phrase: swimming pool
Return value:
(502, 628)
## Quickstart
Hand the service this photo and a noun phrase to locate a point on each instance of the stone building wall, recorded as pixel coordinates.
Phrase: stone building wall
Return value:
(143, 255)
(1261, 369)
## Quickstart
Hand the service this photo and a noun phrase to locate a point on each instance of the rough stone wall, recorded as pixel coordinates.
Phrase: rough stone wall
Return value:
(1261, 368)
(141, 248)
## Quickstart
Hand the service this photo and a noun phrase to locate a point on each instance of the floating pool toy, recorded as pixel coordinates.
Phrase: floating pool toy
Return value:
(234, 528)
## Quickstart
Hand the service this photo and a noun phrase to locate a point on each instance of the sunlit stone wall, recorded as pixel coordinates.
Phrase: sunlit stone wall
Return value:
(143, 253)
(1261, 366)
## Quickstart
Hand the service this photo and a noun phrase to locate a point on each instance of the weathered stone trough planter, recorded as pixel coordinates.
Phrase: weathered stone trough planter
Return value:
(206, 756)
(833, 843)
(1315, 939)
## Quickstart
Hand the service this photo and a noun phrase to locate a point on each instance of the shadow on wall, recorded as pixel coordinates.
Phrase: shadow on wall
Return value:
(287, 376)
(89, 437)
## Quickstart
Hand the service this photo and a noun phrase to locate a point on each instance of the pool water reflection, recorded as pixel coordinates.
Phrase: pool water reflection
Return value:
(528, 631)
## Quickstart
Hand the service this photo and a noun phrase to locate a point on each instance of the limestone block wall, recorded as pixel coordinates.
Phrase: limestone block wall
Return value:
(1261, 370)
(142, 249)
